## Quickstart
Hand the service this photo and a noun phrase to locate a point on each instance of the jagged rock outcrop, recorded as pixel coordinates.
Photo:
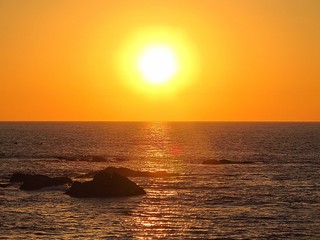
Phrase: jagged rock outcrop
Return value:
(105, 184)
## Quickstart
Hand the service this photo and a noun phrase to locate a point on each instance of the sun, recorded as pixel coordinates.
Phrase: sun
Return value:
(157, 64)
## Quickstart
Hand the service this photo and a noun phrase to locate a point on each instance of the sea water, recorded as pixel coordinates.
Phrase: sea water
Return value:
(275, 197)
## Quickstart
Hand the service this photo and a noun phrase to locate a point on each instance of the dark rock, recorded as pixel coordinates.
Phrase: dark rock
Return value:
(19, 177)
(4, 185)
(35, 182)
(130, 173)
(105, 184)
(98, 159)
(223, 161)
(40, 181)
(120, 159)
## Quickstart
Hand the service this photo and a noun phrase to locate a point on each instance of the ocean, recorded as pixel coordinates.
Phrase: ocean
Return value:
(277, 196)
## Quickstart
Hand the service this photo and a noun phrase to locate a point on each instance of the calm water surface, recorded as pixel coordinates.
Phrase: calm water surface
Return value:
(277, 197)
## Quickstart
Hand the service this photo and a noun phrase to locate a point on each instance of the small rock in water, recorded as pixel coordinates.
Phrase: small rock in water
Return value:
(98, 159)
(4, 185)
(35, 182)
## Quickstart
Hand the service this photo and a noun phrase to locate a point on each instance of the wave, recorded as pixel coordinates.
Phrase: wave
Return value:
(72, 158)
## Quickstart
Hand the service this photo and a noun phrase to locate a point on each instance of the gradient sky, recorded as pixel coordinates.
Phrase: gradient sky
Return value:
(255, 60)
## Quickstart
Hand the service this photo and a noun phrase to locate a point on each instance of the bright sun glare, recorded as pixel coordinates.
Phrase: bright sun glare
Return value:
(157, 64)
(157, 61)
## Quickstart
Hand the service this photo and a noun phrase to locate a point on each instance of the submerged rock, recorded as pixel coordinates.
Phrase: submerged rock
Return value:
(225, 162)
(105, 184)
(4, 185)
(130, 173)
(35, 182)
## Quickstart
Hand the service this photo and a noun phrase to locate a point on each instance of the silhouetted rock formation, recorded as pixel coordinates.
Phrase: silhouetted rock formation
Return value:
(130, 173)
(225, 162)
(35, 182)
(105, 184)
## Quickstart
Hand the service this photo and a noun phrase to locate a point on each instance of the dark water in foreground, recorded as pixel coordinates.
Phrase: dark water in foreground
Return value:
(276, 197)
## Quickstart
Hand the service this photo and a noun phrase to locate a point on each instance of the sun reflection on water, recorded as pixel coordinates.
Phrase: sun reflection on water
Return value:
(158, 135)
(161, 152)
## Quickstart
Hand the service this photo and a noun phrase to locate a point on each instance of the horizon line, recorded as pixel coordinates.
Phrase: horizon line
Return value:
(182, 121)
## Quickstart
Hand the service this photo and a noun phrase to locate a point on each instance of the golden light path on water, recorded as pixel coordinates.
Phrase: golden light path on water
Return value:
(157, 144)
(163, 152)
(159, 149)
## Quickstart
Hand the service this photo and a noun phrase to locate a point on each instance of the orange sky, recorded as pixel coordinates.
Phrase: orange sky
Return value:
(253, 60)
